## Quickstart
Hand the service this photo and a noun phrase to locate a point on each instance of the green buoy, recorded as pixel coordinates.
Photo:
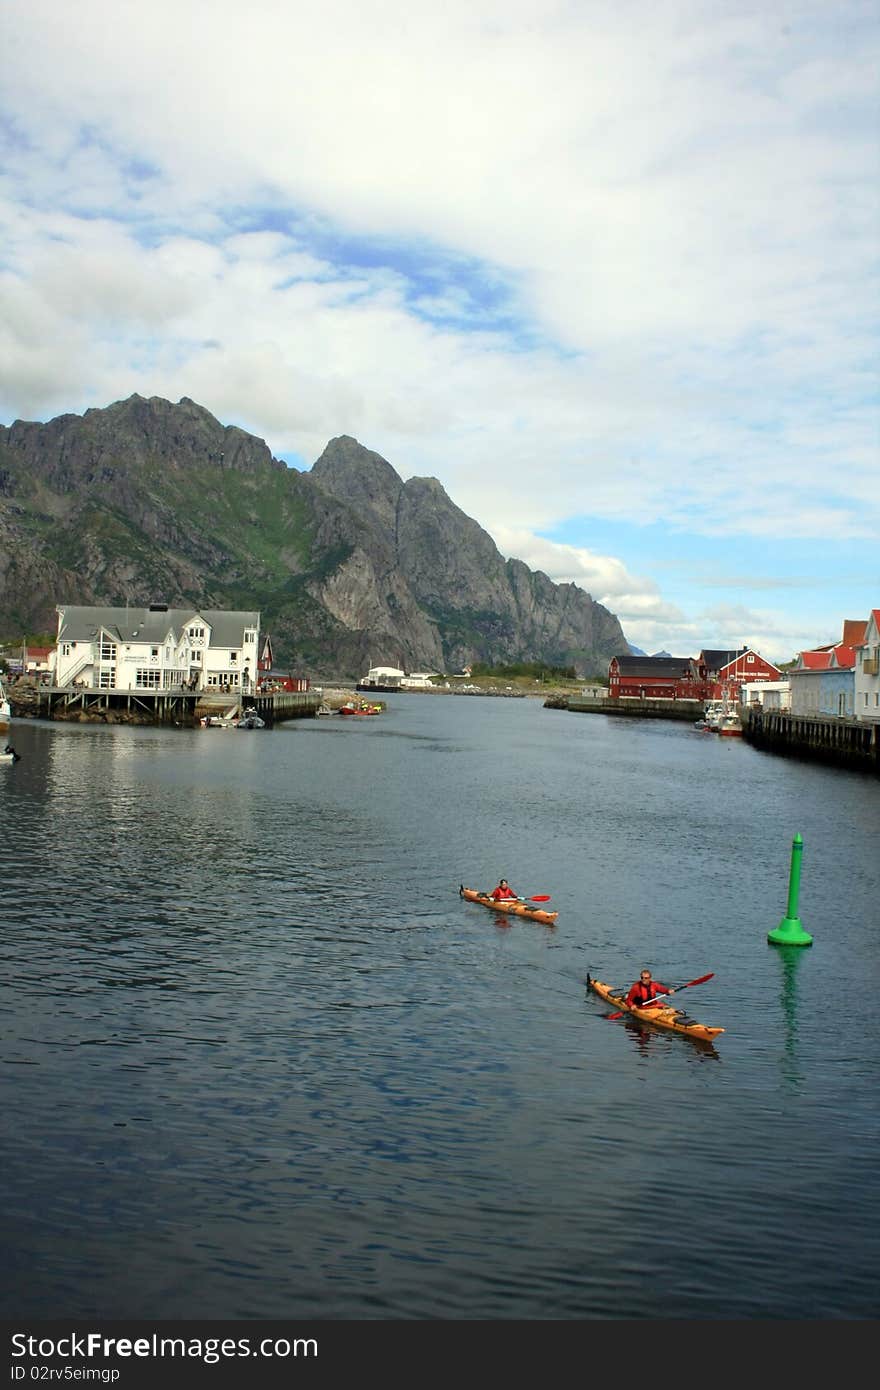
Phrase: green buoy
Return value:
(790, 932)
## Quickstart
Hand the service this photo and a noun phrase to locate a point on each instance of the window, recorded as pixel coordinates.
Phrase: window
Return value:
(233, 656)
(250, 637)
(154, 651)
(750, 660)
(107, 679)
(148, 677)
(65, 648)
(196, 634)
(108, 649)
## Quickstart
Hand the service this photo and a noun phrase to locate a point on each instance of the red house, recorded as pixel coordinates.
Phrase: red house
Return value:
(654, 678)
(273, 682)
(724, 671)
(269, 680)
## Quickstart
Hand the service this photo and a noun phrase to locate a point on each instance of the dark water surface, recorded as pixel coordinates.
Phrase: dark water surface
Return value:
(259, 1060)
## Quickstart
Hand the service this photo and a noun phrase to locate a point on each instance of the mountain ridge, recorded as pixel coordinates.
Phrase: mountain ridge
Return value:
(145, 500)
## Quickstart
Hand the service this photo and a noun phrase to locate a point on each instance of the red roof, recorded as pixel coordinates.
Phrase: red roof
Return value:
(853, 632)
(844, 656)
(816, 661)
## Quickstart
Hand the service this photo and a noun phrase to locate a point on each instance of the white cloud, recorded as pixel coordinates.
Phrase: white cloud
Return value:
(574, 259)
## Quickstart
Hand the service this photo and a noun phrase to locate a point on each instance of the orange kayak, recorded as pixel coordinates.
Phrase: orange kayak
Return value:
(660, 1016)
(516, 906)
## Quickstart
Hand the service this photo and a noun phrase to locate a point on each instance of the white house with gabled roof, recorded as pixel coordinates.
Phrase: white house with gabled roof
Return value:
(867, 671)
(157, 648)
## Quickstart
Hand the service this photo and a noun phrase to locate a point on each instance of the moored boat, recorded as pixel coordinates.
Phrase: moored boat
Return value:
(730, 725)
(5, 710)
(360, 708)
(250, 720)
(382, 679)
(517, 906)
(660, 1016)
(711, 719)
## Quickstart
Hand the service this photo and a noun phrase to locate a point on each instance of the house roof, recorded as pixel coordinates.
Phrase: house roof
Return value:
(875, 614)
(737, 662)
(670, 667)
(716, 660)
(151, 624)
(853, 632)
(825, 658)
(843, 656)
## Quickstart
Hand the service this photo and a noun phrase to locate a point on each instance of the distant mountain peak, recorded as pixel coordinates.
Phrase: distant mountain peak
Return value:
(347, 563)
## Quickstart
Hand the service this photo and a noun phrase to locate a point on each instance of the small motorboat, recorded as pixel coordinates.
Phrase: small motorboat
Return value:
(250, 720)
(360, 707)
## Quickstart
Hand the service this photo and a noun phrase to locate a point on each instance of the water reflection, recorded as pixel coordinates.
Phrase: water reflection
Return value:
(259, 1058)
(790, 959)
(645, 1039)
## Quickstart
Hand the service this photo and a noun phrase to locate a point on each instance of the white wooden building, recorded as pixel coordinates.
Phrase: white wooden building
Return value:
(157, 648)
(769, 695)
(867, 672)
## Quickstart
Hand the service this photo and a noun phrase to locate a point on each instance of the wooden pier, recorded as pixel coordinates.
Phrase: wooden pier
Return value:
(176, 706)
(850, 743)
(631, 707)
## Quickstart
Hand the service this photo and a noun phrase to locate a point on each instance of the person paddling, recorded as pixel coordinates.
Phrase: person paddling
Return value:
(645, 989)
(503, 893)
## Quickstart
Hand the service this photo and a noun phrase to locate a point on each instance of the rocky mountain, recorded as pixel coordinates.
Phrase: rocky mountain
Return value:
(148, 501)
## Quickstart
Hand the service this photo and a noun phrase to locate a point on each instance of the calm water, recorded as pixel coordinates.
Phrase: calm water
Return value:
(259, 1060)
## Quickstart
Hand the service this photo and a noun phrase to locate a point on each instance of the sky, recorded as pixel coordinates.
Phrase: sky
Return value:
(608, 269)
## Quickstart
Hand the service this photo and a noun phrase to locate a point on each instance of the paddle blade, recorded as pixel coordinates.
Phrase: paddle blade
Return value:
(540, 898)
(699, 981)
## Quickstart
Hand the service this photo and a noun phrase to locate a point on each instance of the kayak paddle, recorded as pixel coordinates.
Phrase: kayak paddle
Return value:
(538, 898)
(690, 984)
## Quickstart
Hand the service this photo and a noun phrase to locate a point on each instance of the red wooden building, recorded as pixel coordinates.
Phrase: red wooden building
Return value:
(273, 682)
(654, 678)
(710, 676)
(269, 680)
(266, 659)
(723, 672)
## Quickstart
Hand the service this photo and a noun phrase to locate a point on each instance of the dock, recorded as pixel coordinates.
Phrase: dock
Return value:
(850, 743)
(176, 706)
(632, 707)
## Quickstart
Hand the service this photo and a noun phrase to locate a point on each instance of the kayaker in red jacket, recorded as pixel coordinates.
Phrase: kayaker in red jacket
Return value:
(644, 989)
(502, 892)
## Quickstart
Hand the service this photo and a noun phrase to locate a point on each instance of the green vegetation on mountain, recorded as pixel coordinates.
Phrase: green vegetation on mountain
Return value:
(146, 501)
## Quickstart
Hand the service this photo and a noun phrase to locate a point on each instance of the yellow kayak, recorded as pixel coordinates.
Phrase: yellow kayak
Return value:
(661, 1016)
(517, 906)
